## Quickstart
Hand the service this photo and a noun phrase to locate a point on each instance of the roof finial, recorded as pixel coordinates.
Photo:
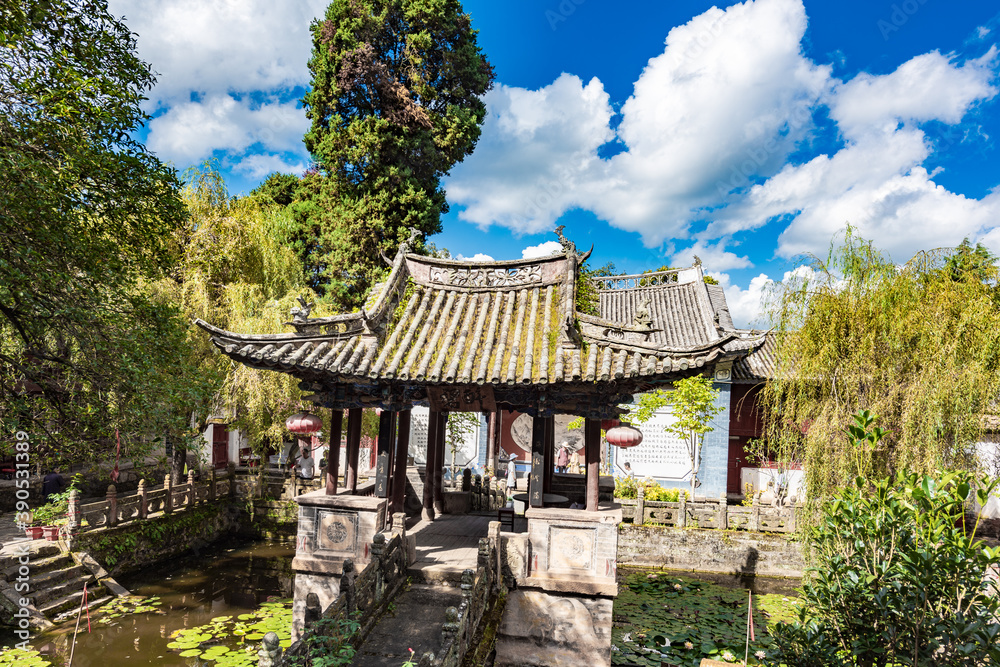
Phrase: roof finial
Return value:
(301, 314)
(409, 244)
(697, 260)
(567, 245)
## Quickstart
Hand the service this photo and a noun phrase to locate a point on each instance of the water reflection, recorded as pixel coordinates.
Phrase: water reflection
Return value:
(193, 590)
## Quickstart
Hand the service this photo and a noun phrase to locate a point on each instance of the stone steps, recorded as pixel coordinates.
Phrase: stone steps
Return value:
(415, 623)
(56, 581)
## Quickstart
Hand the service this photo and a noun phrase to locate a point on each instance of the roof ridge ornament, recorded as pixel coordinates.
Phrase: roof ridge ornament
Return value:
(570, 248)
(410, 244)
(301, 312)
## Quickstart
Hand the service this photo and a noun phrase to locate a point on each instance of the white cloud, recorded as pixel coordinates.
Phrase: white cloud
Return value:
(749, 306)
(541, 250)
(707, 135)
(713, 256)
(927, 87)
(730, 89)
(191, 131)
(208, 53)
(536, 154)
(260, 165)
(478, 257)
(220, 46)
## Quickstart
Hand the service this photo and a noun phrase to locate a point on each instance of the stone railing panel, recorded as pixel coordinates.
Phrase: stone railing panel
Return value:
(709, 514)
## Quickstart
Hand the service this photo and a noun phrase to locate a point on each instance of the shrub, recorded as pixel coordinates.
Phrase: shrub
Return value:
(897, 579)
(628, 489)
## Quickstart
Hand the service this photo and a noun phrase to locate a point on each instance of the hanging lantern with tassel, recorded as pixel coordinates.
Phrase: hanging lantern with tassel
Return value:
(303, 423)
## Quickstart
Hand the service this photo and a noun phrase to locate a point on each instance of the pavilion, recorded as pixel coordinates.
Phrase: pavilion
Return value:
(478, 337)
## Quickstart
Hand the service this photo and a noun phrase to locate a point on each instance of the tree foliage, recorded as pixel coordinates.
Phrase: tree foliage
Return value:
(233, 271)
(898, 577)
(394, 104)
(85, 212)
(692, 404)
(917, 344)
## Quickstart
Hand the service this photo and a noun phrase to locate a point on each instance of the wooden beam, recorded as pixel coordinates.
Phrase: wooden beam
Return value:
(333, 453)
(399, 466)
(592, 453)
(386, 439)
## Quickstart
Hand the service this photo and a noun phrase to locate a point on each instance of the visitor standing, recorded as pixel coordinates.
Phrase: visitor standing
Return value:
(512, 474)
(306, 466)
(562, 459)
(52, 484)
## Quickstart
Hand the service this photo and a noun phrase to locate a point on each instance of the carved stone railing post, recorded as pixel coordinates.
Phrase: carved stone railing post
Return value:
(483, 557)
(755, 514)
(211, 484)
(450, 627)
(347, 578)
(399, 526)
(270, 651)
(682, 510)
(112, 505)
(168, 495)
(143, 503)
(640, 507)
(378, 547)
(73, 519)
(231, 474)
(468, 580)
(723, 522)
(191, 489)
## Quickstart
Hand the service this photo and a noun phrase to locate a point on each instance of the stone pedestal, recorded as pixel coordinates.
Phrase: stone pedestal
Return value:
(566, 571)
(331, 529)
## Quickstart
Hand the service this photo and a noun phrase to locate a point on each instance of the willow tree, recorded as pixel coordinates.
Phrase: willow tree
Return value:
(233, 271)
(918, 345)
(395, 103)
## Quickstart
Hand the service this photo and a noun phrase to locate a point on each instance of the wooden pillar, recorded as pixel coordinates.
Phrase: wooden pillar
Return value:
(491, 427)
(550, 454)
(333, 453)
(442, 423)
(399, 466)
(430, 478)
(386, 437)
(592, 453)
(353, 449)
(392, 458)
(498, 439)
(536, 478)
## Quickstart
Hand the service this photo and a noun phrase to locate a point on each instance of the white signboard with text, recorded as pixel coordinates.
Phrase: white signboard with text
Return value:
(661, 454)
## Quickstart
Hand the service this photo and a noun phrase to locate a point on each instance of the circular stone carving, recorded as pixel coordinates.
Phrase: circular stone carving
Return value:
(336, 533)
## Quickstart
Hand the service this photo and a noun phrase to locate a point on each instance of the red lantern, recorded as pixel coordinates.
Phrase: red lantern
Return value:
(303, 423)
(608, 424)
(624, 436)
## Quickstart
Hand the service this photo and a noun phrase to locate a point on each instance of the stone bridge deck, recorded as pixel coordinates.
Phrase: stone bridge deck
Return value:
(446, 546)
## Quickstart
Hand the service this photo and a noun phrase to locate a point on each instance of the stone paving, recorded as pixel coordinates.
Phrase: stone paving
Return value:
(448, 545)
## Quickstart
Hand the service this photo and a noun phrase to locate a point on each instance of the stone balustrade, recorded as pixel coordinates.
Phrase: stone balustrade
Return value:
(757, 517)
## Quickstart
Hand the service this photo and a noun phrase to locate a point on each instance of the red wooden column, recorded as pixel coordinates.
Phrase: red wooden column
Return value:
(399, 466)
(592, 453)
(353, 449)
(442, 424)
(430, 479)
(333, 453)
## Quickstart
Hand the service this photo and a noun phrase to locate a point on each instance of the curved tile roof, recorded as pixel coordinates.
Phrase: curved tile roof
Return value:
(503, 324)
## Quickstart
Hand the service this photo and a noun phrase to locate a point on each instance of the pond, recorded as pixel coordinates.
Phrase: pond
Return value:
(666, 618)
(185, 593)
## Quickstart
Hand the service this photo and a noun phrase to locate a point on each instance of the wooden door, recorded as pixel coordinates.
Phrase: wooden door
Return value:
(220, 445)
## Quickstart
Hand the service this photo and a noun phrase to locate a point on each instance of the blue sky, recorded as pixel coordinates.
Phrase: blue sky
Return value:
(746, 134)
